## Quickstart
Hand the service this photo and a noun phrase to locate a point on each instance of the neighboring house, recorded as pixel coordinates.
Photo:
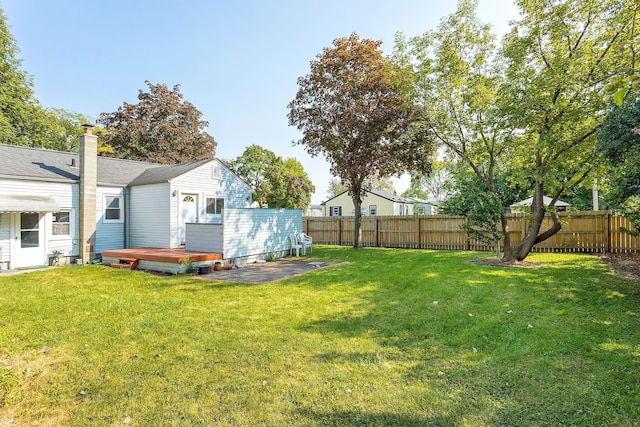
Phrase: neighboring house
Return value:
(426, 207)
(525, 205)
(314, 210)
(375, 202)
(73, 206)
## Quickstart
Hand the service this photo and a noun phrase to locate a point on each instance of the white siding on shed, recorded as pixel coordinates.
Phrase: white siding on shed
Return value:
(202, 182)
(246, 233)
(259, 231)
(235, 192)
(149, 224)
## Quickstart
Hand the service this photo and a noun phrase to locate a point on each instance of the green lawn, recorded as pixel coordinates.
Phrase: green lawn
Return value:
(387, 338)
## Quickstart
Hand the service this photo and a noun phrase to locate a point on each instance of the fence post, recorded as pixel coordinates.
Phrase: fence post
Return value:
(607, 241)
(377, 230)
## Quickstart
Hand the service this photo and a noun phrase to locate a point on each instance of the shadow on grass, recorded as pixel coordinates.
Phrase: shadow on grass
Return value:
(526, 328)
(353, 418)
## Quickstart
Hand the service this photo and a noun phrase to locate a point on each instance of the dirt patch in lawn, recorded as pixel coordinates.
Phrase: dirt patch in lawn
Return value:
(495, 262)
(625, 264)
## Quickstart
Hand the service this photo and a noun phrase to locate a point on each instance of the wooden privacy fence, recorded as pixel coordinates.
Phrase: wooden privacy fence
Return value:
(586, 231)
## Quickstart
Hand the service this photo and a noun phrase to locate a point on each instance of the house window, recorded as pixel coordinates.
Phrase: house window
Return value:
(61, 223)
(373, 209)
(113, 208)
(214, 206)
(335, 211)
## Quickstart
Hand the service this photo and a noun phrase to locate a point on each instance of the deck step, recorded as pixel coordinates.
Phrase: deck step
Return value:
(125, 263)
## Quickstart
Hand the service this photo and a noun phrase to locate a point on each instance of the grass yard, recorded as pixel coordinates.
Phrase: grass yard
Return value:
(387, 338)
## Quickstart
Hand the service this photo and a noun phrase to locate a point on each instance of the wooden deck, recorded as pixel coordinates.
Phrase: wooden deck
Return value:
(163, 255)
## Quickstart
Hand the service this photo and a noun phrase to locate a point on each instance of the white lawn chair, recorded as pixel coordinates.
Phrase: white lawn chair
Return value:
(295, 244)
(306, 241)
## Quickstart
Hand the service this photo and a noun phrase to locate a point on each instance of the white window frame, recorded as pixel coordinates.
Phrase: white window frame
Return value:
(70, 222)
(373, 210)
(216, 201)
(105, 207)
(335, 211)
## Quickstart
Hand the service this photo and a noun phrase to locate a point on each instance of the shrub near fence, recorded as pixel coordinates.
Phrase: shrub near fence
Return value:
(584, 231)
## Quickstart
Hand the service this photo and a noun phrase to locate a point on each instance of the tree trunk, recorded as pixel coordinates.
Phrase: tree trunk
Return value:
(533, 235)
(357, 229)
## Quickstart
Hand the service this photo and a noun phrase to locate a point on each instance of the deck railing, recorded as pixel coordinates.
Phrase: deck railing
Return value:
(582, 231)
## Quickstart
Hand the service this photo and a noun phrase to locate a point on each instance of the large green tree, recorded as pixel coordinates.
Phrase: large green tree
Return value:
(349, 111)
(290, 185)
(434, 184)
(619, 142)
(160, 128)
(533, 107)
(276, 183)
(253, 166)
(22, 120)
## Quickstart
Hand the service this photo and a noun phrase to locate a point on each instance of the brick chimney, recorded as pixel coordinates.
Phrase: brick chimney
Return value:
(88, 169)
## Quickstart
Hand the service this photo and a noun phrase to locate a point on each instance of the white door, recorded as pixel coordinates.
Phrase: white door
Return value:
(29, 239)
(188, 212)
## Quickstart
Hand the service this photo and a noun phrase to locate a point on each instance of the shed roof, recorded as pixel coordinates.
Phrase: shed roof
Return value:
(546, 200)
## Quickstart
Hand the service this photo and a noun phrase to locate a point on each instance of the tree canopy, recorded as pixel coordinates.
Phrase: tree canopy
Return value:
(373, 182)
(531, 107)
(349, 111)
(160, 128)
(22, 120)
(619, 142)
(276, 183)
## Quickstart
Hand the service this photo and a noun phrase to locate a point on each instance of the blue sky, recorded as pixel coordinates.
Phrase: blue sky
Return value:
(236, 61)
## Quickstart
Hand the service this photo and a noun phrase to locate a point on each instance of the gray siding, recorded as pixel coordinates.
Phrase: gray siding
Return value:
(205, 238)
(149, 218)
(109, 234)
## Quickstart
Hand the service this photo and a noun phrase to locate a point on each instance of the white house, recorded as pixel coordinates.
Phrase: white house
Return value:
(66, 206)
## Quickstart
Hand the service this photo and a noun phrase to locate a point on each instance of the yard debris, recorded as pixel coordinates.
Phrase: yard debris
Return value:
(509, 311)
(126, 420)
(45, 350)
(529, 326)
(435, 303)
